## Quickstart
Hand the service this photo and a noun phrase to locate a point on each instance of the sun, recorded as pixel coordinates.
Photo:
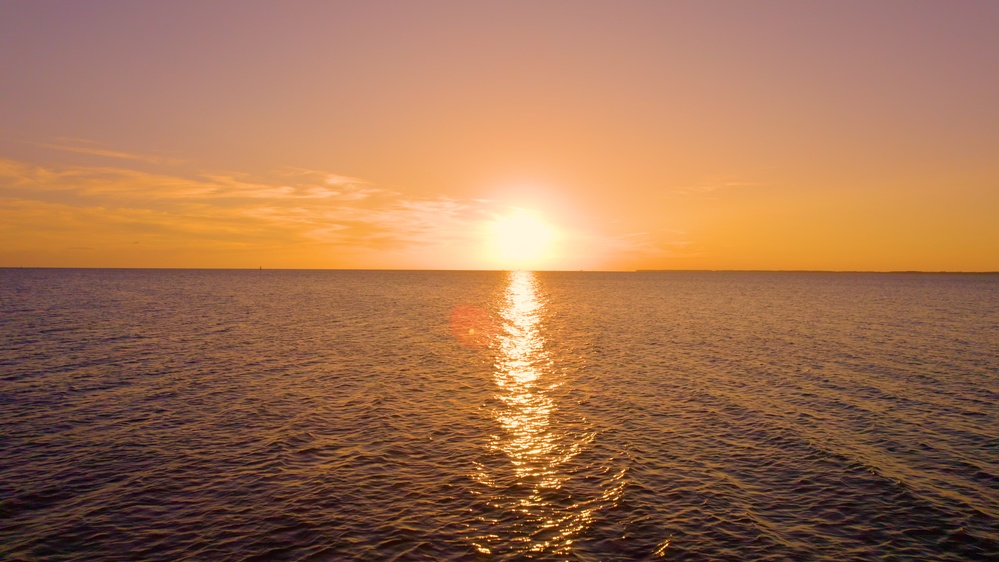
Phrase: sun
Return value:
(521, 240)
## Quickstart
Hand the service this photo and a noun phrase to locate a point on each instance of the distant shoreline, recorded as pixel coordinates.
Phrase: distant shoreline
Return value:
(890, 272)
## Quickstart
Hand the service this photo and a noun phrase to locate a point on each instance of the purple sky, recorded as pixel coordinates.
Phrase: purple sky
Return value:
(825, 135)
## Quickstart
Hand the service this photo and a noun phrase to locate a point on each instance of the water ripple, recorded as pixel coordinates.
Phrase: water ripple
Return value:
(226, 415)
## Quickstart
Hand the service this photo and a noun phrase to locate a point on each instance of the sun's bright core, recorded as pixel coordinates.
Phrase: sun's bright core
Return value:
(521, 240)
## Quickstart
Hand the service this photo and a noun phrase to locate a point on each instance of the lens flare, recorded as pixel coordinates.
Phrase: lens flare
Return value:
(472, 326)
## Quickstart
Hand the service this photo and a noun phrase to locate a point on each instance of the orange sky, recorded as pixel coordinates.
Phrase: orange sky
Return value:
(638, 135)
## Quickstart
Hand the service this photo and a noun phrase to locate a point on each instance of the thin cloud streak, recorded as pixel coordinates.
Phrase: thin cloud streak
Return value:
(714, 187)
(105, 152)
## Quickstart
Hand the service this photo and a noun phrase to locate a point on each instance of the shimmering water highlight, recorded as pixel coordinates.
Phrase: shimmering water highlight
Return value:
(538, 507)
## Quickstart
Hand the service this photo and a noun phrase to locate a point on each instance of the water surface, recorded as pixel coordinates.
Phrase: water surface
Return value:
(323, 415)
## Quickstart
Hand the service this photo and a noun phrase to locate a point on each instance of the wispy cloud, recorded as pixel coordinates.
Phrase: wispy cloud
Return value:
(104, 206)
(712, 187)
(80, 146)
(747, 179)
(649, 245)
(126, 183)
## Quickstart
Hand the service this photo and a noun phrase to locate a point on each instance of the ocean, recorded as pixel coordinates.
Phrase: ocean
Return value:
(399, 415)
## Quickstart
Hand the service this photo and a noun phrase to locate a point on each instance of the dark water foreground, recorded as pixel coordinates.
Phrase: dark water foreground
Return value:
(269, 415)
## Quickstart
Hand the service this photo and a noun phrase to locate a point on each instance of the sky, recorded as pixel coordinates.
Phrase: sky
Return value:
(615, 135)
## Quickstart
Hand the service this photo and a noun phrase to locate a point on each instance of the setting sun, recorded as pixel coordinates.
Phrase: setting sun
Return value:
(521, 240)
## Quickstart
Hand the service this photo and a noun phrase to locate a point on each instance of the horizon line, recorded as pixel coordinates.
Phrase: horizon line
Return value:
(898, 271)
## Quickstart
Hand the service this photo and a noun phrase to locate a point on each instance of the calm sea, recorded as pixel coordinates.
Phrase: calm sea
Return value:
(330, 415)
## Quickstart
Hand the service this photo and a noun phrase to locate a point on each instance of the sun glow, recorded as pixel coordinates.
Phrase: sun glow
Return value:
(521, 240)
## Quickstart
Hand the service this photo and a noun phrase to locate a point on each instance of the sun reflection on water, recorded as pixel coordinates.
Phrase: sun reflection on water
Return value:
(532, 508)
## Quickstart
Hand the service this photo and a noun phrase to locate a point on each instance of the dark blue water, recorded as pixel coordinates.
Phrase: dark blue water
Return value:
(329, 415)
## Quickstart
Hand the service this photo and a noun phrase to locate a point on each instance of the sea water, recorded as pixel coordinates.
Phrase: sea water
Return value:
(330, 415)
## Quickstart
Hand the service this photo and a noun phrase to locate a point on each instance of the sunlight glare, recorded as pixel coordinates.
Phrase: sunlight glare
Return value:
(521, 240)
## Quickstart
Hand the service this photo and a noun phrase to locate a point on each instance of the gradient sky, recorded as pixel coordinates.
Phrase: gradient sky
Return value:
(831, 135)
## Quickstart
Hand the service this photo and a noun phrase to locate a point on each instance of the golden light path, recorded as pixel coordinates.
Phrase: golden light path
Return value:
(534, 512)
